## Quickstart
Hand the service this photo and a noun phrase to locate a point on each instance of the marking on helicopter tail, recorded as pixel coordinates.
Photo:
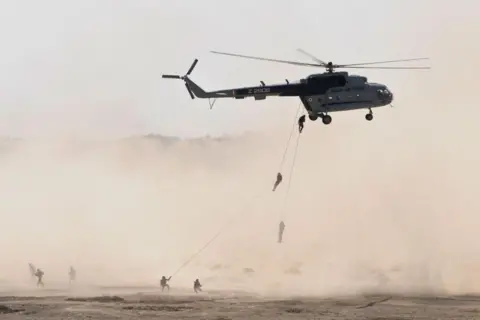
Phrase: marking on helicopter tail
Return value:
(258, 90)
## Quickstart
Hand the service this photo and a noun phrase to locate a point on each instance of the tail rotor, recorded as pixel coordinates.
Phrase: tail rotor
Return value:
(189, 90)
(173, 76)
(192, 67)
(170, 76)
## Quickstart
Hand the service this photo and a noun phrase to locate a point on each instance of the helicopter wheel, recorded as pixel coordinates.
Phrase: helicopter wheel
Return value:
(326, 119)
(369, 116)
(312, 117)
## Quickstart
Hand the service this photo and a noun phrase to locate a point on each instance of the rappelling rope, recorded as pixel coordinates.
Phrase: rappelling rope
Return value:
(290, 137)
(254, 198)
(282, 212)
(216, 235)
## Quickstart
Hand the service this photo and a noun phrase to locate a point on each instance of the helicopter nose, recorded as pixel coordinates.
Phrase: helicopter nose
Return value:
(389, 97)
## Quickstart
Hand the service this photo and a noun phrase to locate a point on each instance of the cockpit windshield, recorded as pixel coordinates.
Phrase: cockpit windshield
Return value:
(383, 93)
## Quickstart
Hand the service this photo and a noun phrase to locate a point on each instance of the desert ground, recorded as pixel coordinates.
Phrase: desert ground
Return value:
(149, 303)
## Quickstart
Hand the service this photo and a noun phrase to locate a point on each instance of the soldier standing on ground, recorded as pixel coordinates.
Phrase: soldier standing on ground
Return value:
(197, 287)
(32, 270)
(164, 284)
(39, 274)
(72, 274)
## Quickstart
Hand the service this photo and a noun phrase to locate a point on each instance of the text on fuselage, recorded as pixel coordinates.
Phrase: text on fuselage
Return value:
(258, 90)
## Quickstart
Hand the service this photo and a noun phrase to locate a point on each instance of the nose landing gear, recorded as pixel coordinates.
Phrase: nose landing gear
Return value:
(326, 119)
(369, 115)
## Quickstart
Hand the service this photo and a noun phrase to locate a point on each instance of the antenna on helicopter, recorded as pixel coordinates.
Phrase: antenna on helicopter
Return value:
(330, 66)
(170, 76)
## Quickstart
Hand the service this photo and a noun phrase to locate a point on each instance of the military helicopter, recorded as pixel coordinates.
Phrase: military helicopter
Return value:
(320, 94)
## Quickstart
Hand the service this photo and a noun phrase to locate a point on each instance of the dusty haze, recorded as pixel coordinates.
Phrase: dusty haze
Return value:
(395, 197)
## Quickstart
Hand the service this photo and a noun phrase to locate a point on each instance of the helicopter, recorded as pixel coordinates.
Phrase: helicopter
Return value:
(320, 94)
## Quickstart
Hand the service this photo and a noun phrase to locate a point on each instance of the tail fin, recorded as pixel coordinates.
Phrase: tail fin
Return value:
(195, 88)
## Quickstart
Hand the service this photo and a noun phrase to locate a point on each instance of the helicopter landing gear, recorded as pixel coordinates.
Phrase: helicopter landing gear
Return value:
(369, 115)
(326, 119)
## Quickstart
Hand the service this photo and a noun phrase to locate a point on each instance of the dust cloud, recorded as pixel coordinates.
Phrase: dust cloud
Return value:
(366, 211)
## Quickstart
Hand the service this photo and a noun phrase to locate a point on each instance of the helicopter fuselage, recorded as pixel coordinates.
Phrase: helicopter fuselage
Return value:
(320, 93)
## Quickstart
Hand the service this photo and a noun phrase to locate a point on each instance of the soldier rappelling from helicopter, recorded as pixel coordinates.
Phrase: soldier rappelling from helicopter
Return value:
(281, 229)
(301, 122)
(279, 180)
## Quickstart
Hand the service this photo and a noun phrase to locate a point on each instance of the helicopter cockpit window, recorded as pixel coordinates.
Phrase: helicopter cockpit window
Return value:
(383, 93)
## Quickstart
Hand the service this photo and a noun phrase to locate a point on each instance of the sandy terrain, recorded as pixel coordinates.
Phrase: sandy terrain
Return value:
(149, 303)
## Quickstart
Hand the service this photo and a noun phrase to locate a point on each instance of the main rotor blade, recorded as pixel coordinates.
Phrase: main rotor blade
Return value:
(361, 67)
(379, 62)
(267, 59)
(311, 56)
(170, 76)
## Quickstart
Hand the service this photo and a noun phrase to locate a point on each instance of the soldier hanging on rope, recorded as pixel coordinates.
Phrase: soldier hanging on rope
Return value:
(281, 229)
(301, 122)
(279, 180)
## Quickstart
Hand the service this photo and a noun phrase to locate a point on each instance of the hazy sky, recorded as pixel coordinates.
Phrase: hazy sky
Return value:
(94, 67)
